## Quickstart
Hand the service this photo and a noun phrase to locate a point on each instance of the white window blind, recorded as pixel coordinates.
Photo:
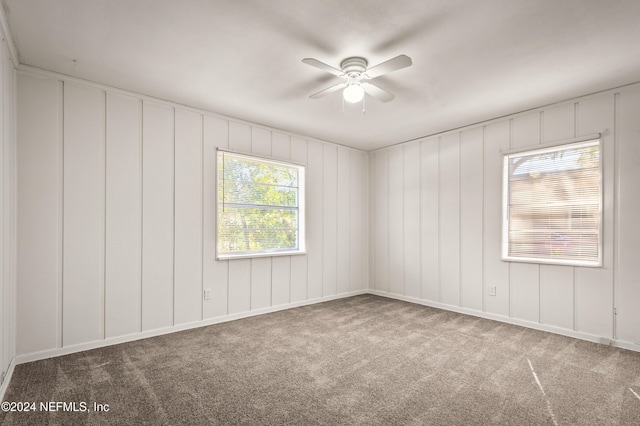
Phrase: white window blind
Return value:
(260, 206)
(552, 205)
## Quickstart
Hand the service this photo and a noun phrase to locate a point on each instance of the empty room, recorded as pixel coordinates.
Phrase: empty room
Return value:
(354, 212)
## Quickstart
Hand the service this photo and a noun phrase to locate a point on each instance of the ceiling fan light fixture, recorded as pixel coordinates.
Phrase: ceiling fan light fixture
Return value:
(355, 74)
(353, 93)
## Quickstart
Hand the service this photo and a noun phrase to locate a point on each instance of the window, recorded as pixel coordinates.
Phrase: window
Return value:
(260, 207)
(552, 205)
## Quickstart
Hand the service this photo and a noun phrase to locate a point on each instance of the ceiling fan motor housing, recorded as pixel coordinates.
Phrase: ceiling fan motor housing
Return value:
(354, 67)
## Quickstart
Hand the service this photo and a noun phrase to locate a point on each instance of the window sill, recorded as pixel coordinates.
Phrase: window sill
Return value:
(258, 255)
(553, 262)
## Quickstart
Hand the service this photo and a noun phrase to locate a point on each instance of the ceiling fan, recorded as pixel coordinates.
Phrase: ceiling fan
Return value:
(356, 77)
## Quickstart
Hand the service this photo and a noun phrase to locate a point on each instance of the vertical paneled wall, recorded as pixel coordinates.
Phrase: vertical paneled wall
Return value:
(83, 217)
(627, 208)
(123, 214)
(7, 211)
(446, 190)
(116, 228)
(117, 218)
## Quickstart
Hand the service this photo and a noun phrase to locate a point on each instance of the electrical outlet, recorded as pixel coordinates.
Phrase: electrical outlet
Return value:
(492, 291)
(207, 294)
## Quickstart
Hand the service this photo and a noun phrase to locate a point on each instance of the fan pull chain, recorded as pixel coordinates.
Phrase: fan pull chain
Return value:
(364, 100)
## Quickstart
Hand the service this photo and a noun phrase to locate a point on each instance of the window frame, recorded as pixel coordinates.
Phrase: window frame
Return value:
(596, 139)
(301, 209)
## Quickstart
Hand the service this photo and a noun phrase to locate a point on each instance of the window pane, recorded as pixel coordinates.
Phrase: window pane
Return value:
(243, 169)
(242, 217)
(243, 192)
(256, 240)
(554, 204)
(258, 205)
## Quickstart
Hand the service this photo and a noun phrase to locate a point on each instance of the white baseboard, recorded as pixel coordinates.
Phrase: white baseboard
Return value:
(626, 345)
(35, 356)
(505, 319)
(50, 353)
(7, 379)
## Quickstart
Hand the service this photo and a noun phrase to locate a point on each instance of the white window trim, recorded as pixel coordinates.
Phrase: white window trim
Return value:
(553, 146)
(301, 250)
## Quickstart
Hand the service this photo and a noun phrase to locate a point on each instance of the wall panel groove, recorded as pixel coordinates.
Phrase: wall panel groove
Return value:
(60, 200)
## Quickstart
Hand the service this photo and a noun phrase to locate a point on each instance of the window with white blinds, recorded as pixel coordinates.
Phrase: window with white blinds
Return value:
(553, 205)
(260, 206)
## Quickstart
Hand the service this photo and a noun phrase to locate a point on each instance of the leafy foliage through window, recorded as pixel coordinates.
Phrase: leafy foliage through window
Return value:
(552, 205)
(260, 206)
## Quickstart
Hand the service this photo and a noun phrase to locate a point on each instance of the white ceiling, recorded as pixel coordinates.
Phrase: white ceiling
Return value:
(473, 60)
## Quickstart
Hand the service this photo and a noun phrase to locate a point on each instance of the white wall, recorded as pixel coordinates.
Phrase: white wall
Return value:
(7, 213)
(116, 237)
(436, 223)
(116, 220)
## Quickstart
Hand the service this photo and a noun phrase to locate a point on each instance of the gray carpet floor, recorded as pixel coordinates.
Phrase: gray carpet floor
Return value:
(363, 360)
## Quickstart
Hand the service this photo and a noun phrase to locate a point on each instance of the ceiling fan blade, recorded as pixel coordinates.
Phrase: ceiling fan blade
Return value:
(328, 90)
(393, 64)
(321, 65)
(377, 92)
